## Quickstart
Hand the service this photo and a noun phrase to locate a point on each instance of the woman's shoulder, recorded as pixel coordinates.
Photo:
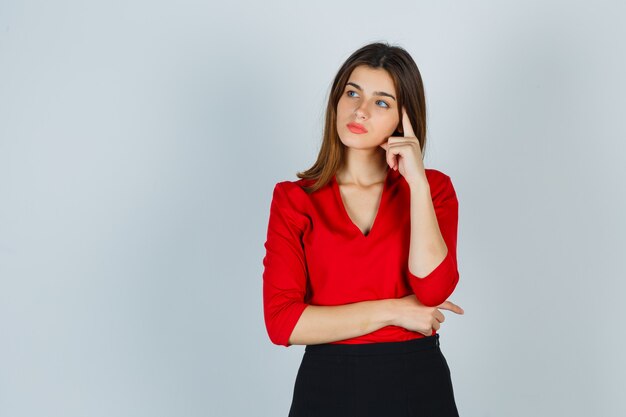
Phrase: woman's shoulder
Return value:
(437, 178)
(435, 175)
(290, 199)
(297, 188)
(294, 188)
(293, 194)
(439, 181)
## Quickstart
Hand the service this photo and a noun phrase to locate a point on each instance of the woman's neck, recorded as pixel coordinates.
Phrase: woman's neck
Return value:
(363, 168)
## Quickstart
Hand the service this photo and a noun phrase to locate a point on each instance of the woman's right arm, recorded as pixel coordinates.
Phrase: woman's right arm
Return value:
(325, 324)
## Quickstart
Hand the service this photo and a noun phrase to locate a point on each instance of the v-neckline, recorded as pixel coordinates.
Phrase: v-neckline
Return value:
(379, 210)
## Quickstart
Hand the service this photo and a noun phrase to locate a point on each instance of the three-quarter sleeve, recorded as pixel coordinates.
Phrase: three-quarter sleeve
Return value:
(285, 272)
(438, 285)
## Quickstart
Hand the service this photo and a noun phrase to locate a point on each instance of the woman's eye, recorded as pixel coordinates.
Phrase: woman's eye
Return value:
(349, 93)
(385, 103)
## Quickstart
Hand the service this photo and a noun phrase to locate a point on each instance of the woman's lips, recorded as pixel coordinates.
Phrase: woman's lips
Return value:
(356, 128)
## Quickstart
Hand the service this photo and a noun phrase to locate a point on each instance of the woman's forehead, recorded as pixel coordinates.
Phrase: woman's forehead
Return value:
(372, 79)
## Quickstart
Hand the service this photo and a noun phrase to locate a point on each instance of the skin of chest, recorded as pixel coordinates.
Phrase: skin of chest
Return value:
(362, 204)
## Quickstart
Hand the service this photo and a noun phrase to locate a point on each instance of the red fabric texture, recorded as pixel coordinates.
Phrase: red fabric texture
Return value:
(316, 255)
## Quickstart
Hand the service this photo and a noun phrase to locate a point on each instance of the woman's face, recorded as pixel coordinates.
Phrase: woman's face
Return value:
(369, 100)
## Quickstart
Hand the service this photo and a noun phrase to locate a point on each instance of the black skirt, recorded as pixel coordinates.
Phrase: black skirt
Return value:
(391, 379)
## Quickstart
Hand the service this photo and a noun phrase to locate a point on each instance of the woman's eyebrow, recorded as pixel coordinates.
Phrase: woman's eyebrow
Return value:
(376, 93)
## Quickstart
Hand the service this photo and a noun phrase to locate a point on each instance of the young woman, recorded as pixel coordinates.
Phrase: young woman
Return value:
(361, 252)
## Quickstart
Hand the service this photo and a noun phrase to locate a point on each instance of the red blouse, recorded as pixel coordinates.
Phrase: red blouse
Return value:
(316, 255)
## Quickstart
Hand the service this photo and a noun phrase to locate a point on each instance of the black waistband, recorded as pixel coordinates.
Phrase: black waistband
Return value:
(422, 343)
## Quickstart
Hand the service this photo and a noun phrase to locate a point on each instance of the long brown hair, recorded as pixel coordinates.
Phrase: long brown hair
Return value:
(410, 94)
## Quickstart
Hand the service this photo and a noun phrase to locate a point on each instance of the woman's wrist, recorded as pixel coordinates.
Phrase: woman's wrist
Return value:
(388, 311)
(421, 183)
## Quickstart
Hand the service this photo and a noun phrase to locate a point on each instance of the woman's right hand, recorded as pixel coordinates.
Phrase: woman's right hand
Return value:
(411, 314)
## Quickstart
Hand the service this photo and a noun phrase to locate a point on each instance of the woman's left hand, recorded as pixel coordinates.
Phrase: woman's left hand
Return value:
(407, 148)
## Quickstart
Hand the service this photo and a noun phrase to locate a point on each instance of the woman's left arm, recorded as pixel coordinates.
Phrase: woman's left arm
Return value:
(433, 273)
(432, 265)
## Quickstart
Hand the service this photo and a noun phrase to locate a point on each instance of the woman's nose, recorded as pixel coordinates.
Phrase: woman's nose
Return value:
(361, 112)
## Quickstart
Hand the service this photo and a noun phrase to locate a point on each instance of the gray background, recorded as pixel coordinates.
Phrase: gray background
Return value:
(140, 143)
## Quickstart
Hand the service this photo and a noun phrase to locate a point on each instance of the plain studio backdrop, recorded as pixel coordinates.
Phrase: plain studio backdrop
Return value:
(140, 143)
